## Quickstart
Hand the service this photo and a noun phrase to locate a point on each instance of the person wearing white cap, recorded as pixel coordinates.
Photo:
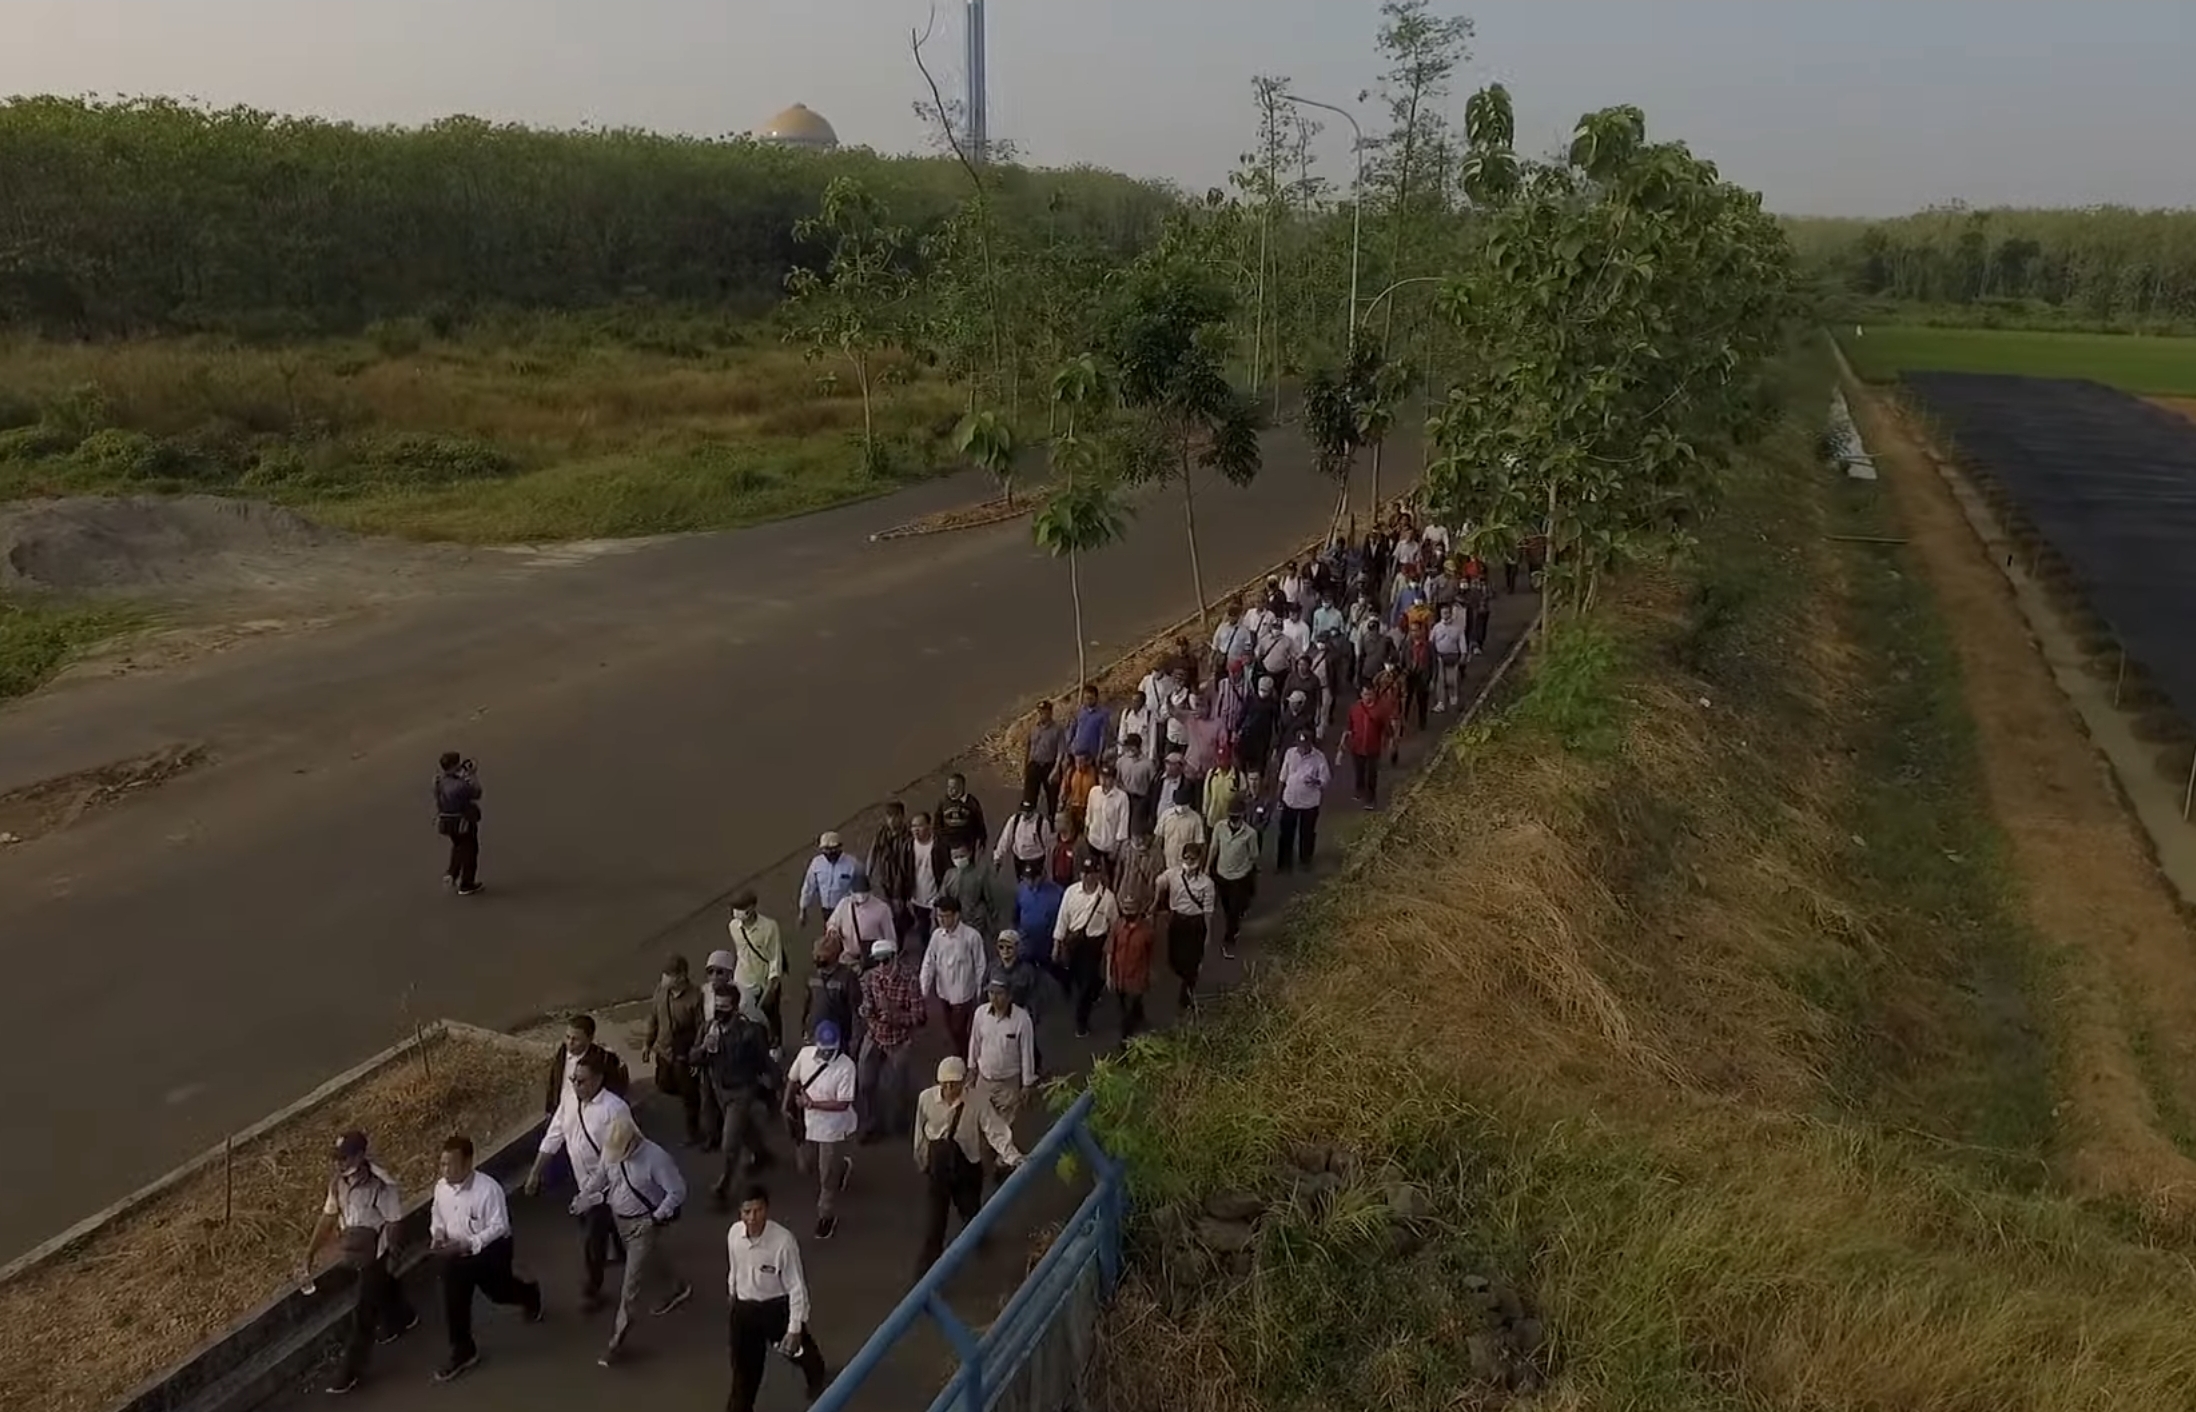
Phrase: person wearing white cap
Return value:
(830, 877)
(641, 1187)
(952, 1135)
(891, 1013)
(1002, 1051)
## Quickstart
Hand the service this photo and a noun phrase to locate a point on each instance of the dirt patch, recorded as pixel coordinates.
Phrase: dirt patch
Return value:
(2186, 406)
(199, 547)
(52, 805)
(2086, 876)
(82, 1329)
(961, 517)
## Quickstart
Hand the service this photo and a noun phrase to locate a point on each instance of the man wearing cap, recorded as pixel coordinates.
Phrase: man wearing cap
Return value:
(953, 972)
(1026, 836)
(1044, 757)
(892, 1011)
(834, 988)
(641, 1187)
(859, 919)
(1002, 1051)
(1079, 932)
(830, 877)
(758, 952)
(1186, 902)
(819, 1105)
(952, 1137)
(361, 1214)
(1174, 784)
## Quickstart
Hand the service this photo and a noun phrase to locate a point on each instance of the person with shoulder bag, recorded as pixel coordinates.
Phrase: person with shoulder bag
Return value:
(951, 1133)
(457, 818)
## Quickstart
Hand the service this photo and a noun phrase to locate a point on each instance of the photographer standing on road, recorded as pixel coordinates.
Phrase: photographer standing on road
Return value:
(457, 818)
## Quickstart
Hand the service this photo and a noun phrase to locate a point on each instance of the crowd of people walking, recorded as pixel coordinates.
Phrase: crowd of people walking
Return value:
(1138, 841)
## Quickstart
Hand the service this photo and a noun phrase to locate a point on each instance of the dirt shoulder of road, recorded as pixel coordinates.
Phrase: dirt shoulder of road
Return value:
(2122, 948)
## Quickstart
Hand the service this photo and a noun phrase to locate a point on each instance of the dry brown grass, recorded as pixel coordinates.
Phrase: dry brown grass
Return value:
(139, 1295)
(1689, 1016)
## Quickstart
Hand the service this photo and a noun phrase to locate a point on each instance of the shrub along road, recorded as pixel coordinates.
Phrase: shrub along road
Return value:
(651, 728)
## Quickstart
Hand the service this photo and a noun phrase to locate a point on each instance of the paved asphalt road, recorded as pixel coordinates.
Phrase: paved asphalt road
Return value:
(857, 1278)
(651, 727)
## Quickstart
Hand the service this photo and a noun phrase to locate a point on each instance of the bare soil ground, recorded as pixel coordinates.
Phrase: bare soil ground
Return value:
(2123, 944)
(59, 802)
(2186, 406)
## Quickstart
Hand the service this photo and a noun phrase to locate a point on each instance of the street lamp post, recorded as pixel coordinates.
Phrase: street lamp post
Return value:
(1357, 200)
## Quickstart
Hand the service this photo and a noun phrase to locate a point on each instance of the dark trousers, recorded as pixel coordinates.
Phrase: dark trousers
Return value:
(1132, 1013)
(1509, 577)
(758, 1325)
(1039, 781)
(598, 1237)
(920, 922)
(1086, 966)
(464, 867)
(955, 1020)
(1235, 901)
(1417, 693)
(960, 1188)
(1366, 771)
(489, 1273)
(1186, 939)
(1299, 835)
(382, 1309)
(741, 1137)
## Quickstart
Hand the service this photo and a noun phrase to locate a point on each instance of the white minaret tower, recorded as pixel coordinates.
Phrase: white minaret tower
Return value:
(979, 121)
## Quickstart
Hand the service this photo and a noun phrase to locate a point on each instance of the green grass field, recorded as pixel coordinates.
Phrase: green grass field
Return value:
(2154, 367)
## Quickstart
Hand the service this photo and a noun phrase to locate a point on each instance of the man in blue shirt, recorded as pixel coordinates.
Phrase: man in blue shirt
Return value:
(829, 879)
(1037, 901)
(1087, 736)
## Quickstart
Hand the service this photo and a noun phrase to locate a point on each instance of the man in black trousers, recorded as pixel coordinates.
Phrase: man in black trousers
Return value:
(361, 1213)
(457, 818)
(770, 1305)
(470, 1229)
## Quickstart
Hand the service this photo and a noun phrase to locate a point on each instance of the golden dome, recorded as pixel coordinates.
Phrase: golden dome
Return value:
(799, 126)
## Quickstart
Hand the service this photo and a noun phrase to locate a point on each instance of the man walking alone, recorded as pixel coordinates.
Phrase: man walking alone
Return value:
(457, 818)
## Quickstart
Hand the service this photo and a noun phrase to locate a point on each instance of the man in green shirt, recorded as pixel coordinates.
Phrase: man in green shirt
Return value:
(1235, 869)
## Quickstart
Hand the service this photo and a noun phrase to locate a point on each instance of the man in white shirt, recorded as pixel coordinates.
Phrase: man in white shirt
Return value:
(769, 1303)
(953, 1136)
(361, 1213)
(953, 972)
(1235, 850)
(1002, 1052)
(758, 952)
(642, 1188)
(1087, 914)
(819, 1095)
(1106, 818)
(469, 1227)
(578, 1131)
(1180, 828)
(1026, 836)
(1447, 635)
(1187, 901)
(860, 919)
(933, 860)
(1138, 774)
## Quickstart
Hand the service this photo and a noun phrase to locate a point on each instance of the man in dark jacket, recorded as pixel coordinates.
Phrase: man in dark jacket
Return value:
(834, 989)
(579, 1044)
(892, 864)
(457, 818)
(960, 817)
(734, 1056)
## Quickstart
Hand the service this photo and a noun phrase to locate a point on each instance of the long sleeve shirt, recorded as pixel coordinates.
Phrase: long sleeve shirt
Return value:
(766, 1267)
(828, 881)
(1304, 777)
(971, 1125)
(473, 1213)
(758, 950)
(892, 1002)
(1106, 818)
(953, 964)
(578, 1130)
(1003, 1048)
(647, 1183)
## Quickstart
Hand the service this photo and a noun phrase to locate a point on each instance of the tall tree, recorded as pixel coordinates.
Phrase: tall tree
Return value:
(1086, 513)
(856, 305)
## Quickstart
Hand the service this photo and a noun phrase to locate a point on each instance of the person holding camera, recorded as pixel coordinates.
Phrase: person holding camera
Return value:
(457, 818)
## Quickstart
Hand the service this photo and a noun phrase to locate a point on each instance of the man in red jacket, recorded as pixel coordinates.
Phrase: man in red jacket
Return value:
(1371, 723)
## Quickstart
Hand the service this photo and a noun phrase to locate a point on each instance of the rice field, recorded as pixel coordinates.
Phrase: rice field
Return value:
(2147, 366)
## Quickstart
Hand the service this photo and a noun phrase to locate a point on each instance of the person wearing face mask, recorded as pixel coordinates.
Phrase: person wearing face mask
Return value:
(674, 1025)
(362, 1213)
(860, 919)
(830, 877)
(758, 962)
(891, 1013)
(1255, 737)
(820, 1089)
(738, 1061)
(974, 883)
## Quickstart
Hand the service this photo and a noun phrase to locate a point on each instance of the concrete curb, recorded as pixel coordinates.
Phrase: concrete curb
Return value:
(264, 1353)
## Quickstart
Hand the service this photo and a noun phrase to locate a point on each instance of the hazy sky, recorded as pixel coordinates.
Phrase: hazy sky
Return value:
(1845, 106)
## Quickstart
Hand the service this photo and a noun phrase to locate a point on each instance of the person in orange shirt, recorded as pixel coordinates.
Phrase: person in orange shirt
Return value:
(1080, 779)
(1129, 948)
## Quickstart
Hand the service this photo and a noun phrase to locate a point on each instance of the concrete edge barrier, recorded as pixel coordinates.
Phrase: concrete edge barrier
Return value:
(266, 1350)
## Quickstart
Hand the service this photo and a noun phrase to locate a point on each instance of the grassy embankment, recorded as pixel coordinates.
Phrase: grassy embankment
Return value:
(2159, 367)
(533, 428)
(1694, 987)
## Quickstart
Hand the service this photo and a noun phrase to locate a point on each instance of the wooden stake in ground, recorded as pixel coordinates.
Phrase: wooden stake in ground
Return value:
(228, 1179)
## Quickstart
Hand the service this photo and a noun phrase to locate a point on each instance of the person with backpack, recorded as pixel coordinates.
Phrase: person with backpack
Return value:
(457, 818)
(951, 1135)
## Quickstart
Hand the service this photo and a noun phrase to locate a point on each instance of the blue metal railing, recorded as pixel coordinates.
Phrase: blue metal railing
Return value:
(1091, 1237)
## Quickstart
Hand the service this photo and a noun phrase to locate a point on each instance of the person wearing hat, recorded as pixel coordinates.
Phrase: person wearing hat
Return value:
(820, 1087)
(830, 877)
(758, 951)
(892, 1012)
(1174, 784)
(1002, 1050)
(953, 972)
(1086, 916)
(1234, 865)
(1186, 902)
(1026, 837)
(361, 1215)
(952, 1138)
(642, 1188)
(1304, 776)
(1136, 871)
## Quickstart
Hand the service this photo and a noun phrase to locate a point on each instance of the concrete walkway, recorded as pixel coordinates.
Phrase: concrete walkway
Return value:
(680, 1362)
(652, 727)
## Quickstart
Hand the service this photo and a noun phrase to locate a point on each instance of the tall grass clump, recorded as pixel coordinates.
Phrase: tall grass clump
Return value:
(1690, 987)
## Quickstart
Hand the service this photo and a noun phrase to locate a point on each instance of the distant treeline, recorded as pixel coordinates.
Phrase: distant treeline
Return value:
(150, 216)
(2099, 266)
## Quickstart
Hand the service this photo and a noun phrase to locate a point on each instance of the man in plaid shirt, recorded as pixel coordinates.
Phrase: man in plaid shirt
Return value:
(892, 1010)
